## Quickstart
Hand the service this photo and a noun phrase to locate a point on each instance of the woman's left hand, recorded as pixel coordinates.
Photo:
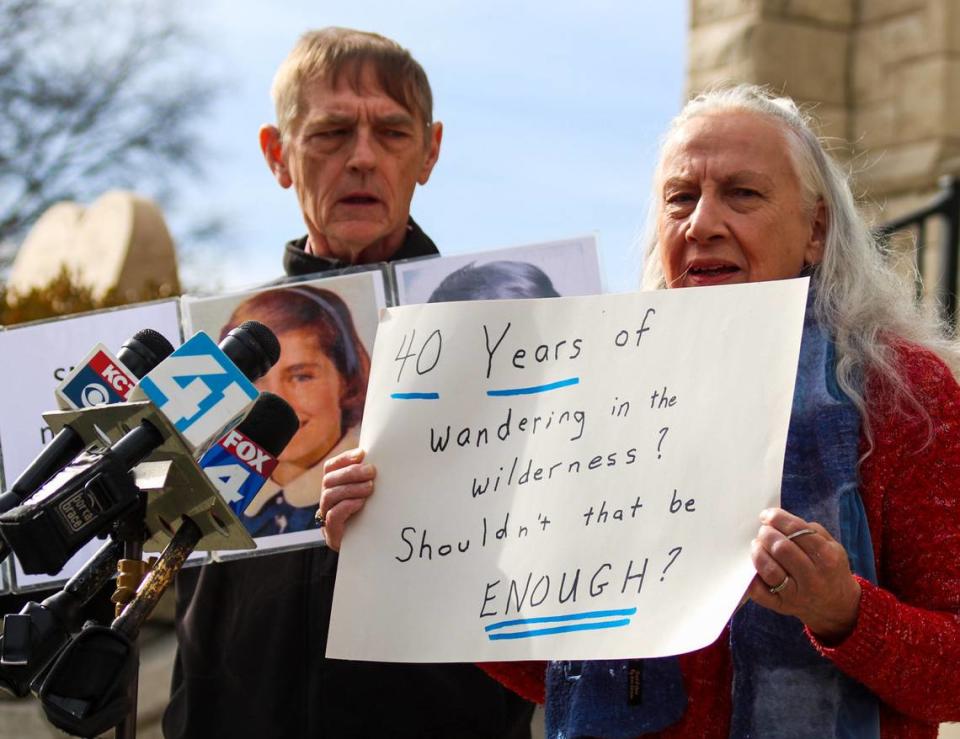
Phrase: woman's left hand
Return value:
(803, 571)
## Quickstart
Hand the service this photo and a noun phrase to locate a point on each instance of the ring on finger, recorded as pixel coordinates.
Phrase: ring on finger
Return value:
(777, 588)
(801, 532)
(321, 521)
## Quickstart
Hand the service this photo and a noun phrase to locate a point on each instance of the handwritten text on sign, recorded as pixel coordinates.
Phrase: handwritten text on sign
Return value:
(574, 478)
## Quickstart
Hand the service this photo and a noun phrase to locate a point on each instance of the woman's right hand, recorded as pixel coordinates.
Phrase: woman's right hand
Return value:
(347, 483)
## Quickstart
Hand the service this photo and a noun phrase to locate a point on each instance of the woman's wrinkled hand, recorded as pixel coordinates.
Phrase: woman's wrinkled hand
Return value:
(803, 571)
(347, 483)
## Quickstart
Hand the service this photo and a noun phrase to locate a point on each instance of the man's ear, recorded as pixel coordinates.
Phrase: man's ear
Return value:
(433, 152)
(271, 145)
(818, 234)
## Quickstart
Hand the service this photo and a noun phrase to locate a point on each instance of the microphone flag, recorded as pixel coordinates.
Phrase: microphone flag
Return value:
(99, 379)
(238, 467)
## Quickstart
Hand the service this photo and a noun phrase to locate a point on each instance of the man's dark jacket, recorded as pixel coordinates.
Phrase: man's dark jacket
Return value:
(253, 634)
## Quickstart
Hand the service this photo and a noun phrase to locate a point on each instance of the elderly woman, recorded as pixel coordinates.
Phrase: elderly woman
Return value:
(851, 626)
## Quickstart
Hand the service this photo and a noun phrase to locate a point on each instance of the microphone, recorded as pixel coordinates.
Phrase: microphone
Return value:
(102, 378)
(86, 691)
(31, 638)
(203, 388)
(138, 355)
(180, 407)
(87, 702)
(109, 376)
(240, 463)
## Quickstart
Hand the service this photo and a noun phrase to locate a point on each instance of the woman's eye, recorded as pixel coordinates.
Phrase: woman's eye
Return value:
(680, 198)
(745, 192)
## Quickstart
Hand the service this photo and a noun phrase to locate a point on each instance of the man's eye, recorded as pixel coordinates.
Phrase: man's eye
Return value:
(328, 134)
(680, 198)
(745, 192)
(395, 133)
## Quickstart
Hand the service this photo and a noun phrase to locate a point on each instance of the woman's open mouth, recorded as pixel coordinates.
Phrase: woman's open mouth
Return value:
(709, 274)
(714, 271)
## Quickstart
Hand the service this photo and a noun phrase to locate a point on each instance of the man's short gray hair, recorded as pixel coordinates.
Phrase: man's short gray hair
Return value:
(332, 53)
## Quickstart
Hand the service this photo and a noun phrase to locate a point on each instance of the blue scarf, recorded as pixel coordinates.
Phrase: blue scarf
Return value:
(781, 686)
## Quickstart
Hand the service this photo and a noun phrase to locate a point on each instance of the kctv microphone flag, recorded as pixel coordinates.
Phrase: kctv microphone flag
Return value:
(99, 379)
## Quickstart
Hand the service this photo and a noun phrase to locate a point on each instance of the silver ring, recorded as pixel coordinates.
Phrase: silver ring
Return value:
(801, 532)
(777, 588)
(321, 521)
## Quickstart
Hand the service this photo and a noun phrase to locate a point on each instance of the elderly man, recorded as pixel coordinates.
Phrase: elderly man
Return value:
(354, 137)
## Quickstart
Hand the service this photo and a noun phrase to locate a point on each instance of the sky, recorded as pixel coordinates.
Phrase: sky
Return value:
(552, 113)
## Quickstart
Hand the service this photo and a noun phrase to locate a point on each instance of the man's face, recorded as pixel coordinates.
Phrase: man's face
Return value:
(353, 159)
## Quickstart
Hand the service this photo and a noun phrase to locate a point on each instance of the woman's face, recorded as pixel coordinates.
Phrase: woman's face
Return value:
(308, 380)
(730, 206)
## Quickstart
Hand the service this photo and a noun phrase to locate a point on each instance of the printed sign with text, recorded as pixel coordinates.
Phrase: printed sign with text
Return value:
(574, 478)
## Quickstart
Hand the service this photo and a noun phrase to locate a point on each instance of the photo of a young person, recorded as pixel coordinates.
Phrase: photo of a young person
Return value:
(322, 373)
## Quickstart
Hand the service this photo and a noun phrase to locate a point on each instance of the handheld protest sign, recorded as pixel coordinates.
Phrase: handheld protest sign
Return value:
(576, 478)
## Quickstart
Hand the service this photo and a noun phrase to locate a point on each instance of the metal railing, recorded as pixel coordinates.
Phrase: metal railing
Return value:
(946, 207)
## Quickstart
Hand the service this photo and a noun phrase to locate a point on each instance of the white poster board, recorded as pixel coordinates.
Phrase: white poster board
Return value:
(575, 478)
(37, 357)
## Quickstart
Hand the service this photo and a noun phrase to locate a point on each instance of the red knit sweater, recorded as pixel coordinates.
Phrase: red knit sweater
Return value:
(906, 644)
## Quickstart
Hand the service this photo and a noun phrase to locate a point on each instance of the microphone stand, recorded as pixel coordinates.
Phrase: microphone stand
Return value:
(158, 579)
(140, 587)
(135, 613)
(91, 685)
(130, 571)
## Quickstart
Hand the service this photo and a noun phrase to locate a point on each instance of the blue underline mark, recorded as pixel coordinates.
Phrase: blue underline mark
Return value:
(555, 619)
(415, 396)
(561, 629)
(535, 388)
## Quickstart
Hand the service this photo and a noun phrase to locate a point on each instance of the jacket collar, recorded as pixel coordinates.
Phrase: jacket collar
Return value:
(297, 262)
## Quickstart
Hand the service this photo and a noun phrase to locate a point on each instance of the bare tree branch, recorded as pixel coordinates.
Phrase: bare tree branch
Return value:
(94, 94)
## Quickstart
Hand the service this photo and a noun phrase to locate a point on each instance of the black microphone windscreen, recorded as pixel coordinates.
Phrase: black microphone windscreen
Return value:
(144, 350)
(271, 423)
(253, 348)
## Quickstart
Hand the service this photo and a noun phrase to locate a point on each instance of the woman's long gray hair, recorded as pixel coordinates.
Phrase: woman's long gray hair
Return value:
(868, 307)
